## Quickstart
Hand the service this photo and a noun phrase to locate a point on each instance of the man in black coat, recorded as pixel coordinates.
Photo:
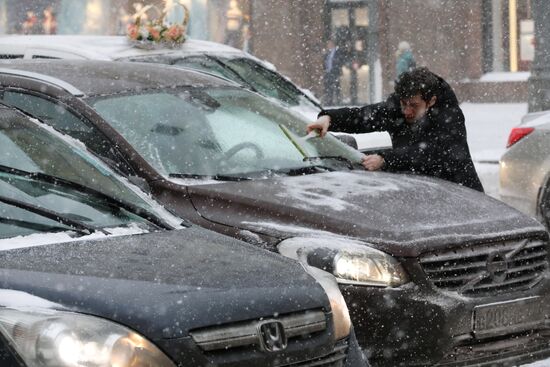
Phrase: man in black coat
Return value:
(426, 126)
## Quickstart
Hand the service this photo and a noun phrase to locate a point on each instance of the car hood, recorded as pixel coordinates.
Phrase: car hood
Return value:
(162, 284)
(404, 215)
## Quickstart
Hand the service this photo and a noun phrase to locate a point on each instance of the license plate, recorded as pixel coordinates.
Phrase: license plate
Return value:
(508, 317)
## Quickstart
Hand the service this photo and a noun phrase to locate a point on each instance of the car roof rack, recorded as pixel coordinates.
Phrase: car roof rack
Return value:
(45, 78)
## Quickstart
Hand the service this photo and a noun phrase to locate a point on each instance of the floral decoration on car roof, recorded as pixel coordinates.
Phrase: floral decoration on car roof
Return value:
(157, 33)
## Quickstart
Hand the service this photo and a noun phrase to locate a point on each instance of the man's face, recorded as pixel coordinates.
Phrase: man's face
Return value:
(415, 108)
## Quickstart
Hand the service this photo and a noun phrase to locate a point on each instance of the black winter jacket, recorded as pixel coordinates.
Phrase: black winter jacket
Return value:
(434, 146)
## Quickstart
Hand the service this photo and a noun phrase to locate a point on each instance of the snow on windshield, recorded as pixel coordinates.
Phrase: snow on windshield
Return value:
(41, 239)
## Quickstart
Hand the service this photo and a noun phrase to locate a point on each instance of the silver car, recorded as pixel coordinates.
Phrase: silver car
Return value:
(525, 167)
(214, 58)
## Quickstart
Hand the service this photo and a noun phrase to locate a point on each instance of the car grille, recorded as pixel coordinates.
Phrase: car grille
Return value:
(335, 359)
(487, 269)
(247, 333)
(507, 352)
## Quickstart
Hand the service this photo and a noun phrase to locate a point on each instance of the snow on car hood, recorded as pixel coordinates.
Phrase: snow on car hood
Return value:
(402, 214)
(162, 284)
(24, 300)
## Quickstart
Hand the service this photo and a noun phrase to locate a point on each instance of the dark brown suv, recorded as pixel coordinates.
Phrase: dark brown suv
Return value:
(433, 273)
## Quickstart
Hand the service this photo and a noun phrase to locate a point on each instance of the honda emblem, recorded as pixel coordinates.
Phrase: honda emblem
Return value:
(272, 336)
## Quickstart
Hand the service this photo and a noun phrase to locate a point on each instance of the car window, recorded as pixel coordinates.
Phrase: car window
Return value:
(47, 111)
(266, 81)
(214, 131)
(27, 147)
(208, 65)
(62, 119)
(10, 57)
(45, 53)
(45, 57)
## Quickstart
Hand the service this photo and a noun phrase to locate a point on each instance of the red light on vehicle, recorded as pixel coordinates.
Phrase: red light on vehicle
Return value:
(517, 134)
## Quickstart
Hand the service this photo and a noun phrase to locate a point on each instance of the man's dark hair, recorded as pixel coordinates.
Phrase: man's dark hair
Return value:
(417, 81)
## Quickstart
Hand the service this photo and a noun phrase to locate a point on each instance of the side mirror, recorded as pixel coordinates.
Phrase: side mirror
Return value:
(347, 139)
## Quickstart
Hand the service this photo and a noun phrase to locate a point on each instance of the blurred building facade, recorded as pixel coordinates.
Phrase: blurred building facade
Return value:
(220, 20)
(484, 48)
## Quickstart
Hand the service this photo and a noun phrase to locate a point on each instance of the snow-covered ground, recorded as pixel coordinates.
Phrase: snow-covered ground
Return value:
(488, 126)
(544, 363)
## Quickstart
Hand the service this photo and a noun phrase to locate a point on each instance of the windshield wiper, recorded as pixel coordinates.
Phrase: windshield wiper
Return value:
(348, 162)
(34, 226)
(212, 177)
(299, 171)
(77, 225)
(58, 181)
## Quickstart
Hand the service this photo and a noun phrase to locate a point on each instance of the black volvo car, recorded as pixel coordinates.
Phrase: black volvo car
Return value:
(95, 274)
(433, 273)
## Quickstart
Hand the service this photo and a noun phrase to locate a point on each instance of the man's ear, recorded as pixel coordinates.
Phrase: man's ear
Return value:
(432, 101)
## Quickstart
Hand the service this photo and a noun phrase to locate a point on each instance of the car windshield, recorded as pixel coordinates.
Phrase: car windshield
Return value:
(218, 131)
(28, 148)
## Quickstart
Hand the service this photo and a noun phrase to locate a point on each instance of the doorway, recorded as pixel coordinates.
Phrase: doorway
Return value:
(347, 24)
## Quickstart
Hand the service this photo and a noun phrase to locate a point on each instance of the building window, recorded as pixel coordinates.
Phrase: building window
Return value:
(509, 40)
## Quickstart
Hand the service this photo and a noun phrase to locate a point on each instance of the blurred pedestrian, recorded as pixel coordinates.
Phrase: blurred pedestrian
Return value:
(425, 123)
(49, 22)
(333, 62)
(31, 25)
(404, 59)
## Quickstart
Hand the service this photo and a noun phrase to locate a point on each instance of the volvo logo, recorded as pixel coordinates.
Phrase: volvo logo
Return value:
(272, 336)
(497, 267)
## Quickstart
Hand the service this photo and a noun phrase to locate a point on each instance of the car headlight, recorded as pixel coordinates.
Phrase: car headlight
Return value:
(340, 312)
(49, 338)
(351, 262)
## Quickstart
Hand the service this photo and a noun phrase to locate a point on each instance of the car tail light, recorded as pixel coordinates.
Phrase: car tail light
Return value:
(517, 134)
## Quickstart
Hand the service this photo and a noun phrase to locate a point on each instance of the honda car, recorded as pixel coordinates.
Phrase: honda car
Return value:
(93, 273)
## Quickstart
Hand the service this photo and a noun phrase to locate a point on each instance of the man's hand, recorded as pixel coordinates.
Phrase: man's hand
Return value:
(373, 162)
(321, 125)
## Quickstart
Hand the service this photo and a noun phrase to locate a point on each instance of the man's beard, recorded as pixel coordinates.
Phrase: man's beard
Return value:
(420, 124)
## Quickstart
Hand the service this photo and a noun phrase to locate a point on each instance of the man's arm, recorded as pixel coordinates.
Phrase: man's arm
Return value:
(356, 120)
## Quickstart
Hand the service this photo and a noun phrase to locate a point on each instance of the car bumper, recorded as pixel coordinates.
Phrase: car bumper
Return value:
(307, 352)
(412, 327)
